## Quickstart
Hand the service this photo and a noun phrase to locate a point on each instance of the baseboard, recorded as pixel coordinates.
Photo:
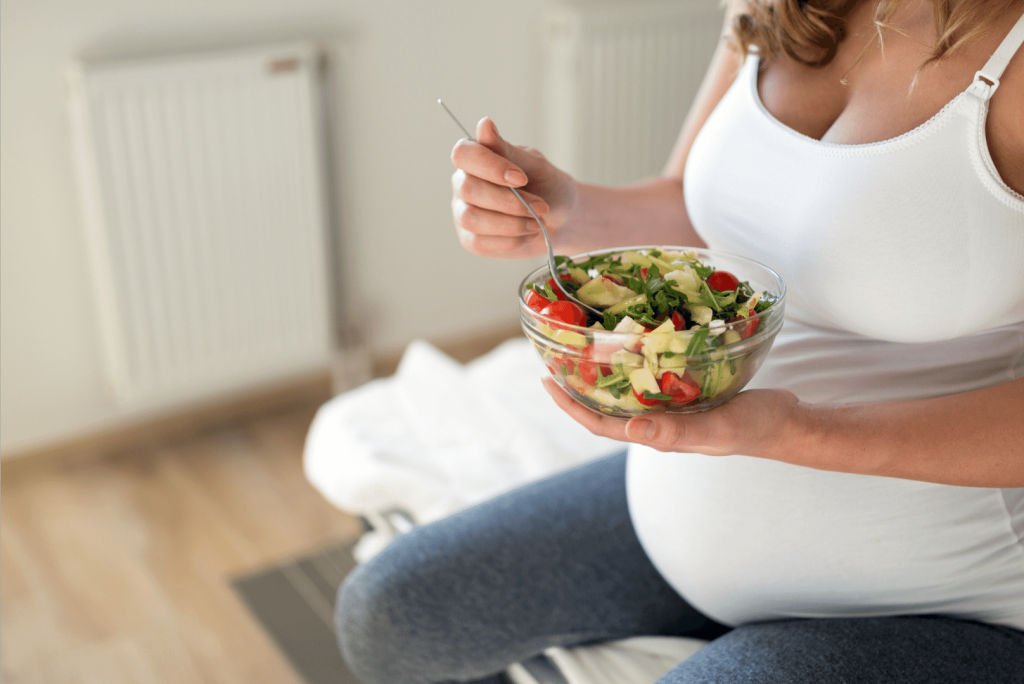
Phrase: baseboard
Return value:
(169, 427)
(185, 423)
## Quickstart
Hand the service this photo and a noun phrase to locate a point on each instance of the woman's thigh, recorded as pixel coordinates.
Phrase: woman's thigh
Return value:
(553, 563)
(882, 650)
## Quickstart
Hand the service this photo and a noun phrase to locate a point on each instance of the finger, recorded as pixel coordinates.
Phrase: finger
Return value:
(487, 195)
(486, 222)
(497, 247)
(488, 136)
(598, 423)
(672, 432)
(526, 158)
(482, 162)
(744, 424)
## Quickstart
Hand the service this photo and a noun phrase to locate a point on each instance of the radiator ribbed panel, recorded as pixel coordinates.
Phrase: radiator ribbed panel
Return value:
(207, 220)
(620, 79)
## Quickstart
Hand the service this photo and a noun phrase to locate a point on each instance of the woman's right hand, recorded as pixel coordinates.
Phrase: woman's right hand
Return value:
(489, 220)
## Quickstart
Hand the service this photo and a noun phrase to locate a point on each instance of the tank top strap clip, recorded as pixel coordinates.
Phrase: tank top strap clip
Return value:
(983, 85)
(986, 80)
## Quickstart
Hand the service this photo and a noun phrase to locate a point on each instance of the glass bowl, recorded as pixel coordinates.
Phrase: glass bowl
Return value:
(604, 369)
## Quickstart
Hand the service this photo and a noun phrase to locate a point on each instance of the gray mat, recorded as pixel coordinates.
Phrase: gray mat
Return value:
(294, 602)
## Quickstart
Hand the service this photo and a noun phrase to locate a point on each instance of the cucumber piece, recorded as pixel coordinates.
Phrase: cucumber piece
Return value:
(731, 337)
(650, 359)
(643, 380)
(637, 259)
(626, 359)
(570, 338)
(624, 402)
(699, 313)
(628, 325)
(603, 292)
(579, 275)
(663, 266)
(622, 306)
(684, 280)
(670, 362)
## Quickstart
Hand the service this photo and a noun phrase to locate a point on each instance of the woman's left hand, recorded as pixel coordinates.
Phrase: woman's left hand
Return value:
(753, 423)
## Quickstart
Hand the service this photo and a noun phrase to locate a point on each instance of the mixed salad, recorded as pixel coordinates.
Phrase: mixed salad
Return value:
(665, 336)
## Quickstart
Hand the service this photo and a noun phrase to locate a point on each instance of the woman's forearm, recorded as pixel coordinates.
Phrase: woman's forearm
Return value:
(971, 439)
(651, 212)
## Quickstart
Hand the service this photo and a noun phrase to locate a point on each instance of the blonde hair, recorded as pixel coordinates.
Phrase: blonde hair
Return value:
(809, 31)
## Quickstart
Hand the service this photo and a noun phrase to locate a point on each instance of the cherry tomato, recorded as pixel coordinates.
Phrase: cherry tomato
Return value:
(558, 293)
(535, 301)
(557, 363)
(590, 371)
(723, 281)
(565, 312)
(643, 273)
(748, 328)
(678, 320)
(683, 389)
(645, 402)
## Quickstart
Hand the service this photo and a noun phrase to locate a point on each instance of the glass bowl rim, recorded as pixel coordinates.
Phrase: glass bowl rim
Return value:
(535, 316)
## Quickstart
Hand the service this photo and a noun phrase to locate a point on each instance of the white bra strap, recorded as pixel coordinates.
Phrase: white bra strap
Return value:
(994, 67)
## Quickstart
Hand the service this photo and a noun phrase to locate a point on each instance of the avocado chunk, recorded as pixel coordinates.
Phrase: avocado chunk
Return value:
(603, 292)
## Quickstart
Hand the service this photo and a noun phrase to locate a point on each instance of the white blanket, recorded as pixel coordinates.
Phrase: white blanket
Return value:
(438, 437)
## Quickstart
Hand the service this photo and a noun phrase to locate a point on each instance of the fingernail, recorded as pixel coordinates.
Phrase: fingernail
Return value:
(515, 177)
(640, 428)
(540, 207)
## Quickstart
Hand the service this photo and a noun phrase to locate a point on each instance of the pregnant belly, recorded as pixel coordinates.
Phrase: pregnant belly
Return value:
(745, 539)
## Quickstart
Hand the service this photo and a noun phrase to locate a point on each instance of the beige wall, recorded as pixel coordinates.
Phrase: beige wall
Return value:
(481, 56)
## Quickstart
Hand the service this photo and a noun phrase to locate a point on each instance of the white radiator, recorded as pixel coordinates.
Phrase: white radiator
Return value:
(203, 182)
(619, 80)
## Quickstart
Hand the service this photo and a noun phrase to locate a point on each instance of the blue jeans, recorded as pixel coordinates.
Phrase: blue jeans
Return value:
(557, 563)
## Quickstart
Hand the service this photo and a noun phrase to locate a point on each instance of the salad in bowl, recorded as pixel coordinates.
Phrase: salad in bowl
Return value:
(680, 329)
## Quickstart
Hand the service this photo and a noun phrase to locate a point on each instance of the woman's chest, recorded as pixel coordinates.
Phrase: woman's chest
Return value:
(911, 240)
(877, 89)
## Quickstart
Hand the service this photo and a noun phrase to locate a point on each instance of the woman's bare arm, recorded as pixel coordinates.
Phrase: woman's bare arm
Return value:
(973, 439)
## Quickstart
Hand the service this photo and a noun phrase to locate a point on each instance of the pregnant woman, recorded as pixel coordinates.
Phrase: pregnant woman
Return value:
(856, 515)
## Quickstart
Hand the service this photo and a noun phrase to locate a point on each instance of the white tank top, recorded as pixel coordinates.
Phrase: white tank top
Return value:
(904, 261)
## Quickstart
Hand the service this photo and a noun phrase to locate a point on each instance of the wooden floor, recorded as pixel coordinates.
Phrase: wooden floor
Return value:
(119, 570)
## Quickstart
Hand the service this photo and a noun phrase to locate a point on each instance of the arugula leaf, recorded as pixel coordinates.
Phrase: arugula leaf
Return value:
(658, 395)
(700, 269)
(708, 297)
(548, 293)
(611, 379)
(764, 303)
(698, 342)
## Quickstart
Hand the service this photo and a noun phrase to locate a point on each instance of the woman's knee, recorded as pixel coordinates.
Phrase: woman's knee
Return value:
(398, 617)
(373, 637)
